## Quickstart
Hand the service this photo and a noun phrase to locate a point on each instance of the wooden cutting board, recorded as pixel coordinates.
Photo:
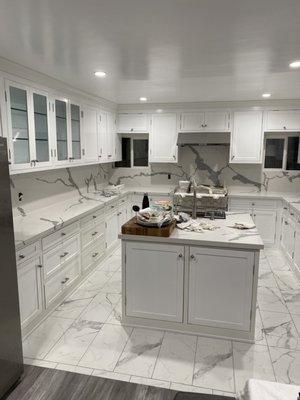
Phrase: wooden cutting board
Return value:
(132, 228)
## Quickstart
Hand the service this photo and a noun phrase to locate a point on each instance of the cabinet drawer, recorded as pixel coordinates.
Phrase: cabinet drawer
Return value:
(53, 289)
(239, 204)
(264, 204)
(52, 260)
(112, 207)
(28, 252)
(93, 217)
(91, 232)
(93, 254)
(70, 248)
(72, 272)
(57, 237)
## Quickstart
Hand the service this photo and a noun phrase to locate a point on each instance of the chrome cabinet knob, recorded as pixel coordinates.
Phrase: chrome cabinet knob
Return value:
(192, 256)
(180, 255)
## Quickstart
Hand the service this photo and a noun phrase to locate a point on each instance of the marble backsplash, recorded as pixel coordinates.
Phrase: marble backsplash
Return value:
(209, 165)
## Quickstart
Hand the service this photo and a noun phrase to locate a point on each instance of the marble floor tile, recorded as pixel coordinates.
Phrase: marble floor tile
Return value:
(296, 319)
(140, 354)
(260, 336)
(112, 264)
(116, 315)
(44, 337)
(264, 264)
(286, 365)
(251, 361)
(277, 260)
(71, 307)
(74, 368)
(105, 350)
(150, 382)
(270, 299)
(189, 388)
(214, 364)
(39, 363)
(287, 280)
(266, 278)
(113, 285)
(111, 375)
(74, 342)
(176, 358)
(222, 393)
(100, 307)
(96, 280)
(280, 330)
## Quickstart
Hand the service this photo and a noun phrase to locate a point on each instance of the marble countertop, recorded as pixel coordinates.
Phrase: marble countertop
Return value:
(29, 227)
(224, 236)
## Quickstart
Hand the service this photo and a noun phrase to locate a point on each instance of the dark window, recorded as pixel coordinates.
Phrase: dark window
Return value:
(274, 153)
(292, 154)
(140, 152)
(125, 163)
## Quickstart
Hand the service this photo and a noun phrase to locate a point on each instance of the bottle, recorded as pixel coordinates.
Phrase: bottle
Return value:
(145, 203)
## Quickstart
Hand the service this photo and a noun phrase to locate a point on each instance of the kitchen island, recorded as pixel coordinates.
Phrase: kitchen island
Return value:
(197, 282)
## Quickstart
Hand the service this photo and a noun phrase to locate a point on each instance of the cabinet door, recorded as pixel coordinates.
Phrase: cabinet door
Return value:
(62, 131)
(42, 128)
(110, 139)
(297, 249)
(54, 288)
(122, 214)
(30, 290)
(216, 121)
(247, 137)
(138, 123)
(76, 134)
(102, 137)
(118, 147)
(163, 138)
(220, 288)
(192, 122)
(89, 134)
(283, 120)
(154, 281)
(112, 230)
(287, 236)
(265, 222)
(20, 125)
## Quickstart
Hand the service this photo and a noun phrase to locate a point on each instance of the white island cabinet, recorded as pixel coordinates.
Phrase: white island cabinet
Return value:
(202, 283)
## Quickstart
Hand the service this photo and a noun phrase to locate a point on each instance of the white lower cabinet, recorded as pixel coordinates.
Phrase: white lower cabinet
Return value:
(93, 254)
(288, 236)
(297, 248)
(111, 229)
(265, 222)
(220, 288)
(30, 290)
(154, 281)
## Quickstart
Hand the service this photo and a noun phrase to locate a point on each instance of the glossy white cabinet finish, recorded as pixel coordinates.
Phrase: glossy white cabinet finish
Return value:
(284, 120)
(288, 236)
(154, 281)
(163, 138)
(102, 137)
(208, 121)
(90, 129)
(133, 123)
(30, 290)
(112, 229)
(297, 246)
(220, 287)
(247, 137)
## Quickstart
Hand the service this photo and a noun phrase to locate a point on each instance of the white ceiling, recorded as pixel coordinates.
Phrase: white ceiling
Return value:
(166, 50)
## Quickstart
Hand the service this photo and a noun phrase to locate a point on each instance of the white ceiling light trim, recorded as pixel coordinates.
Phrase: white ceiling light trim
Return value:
(266, 95)
(100, 74)
(295, 64)
(143, 99)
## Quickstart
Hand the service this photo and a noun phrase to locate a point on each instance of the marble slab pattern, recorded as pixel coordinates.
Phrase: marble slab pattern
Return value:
(214, 364)
(105, 350)
(270, 299)
(100, 307)
(251, 361)
(140, 354)
(286, 365)
(176, 358)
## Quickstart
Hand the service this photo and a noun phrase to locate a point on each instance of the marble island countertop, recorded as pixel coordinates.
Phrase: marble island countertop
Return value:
(30, 226)
(224, 236)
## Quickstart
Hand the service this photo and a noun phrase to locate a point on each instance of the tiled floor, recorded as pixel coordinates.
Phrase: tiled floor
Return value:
(84, 334)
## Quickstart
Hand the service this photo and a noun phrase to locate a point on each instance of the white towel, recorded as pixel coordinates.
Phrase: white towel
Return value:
(264, 390)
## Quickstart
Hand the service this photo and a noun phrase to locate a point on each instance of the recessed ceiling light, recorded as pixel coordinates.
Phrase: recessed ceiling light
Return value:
(295, 64)
(159, 110)
(143, 98)
(266, 95)
(100, 74)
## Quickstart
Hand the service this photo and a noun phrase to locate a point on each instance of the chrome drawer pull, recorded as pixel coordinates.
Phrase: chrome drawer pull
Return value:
(21, 256)
(95, 255)
(94, 233)
(63, 234)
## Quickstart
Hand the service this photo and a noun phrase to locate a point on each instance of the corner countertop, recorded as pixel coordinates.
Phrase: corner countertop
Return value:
(225, 236)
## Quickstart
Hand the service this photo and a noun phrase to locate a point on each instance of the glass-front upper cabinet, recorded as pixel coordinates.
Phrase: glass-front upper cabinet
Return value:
(28, 124)
(61, 121)
(75, 132)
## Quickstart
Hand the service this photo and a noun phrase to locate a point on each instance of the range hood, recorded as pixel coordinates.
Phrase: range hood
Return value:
(203, 139)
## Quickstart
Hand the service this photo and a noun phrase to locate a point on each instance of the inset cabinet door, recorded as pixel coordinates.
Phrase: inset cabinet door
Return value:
(285, 120)
(297, 248)
(102, 137)
(90, 134)
(112, 230)
(192, 122)
(30, 290)
(163, 139)
(226, 301)
(76, 143)
(287, 236)
(61, 125)
(265, 222)
(133, 122)
(154, 281)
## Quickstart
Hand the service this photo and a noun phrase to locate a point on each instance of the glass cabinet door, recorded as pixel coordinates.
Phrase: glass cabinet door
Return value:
(75, 131)
(19, 125)
(61, 130)
(41, 127)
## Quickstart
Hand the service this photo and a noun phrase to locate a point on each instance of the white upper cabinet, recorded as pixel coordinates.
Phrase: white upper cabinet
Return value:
(210, 121)
(102, 137)
(28, 126)
(247, 137)
(76, 133)
(288, 120)
(163, 138)
(90, 134)
(111, 137)
(133, 122)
